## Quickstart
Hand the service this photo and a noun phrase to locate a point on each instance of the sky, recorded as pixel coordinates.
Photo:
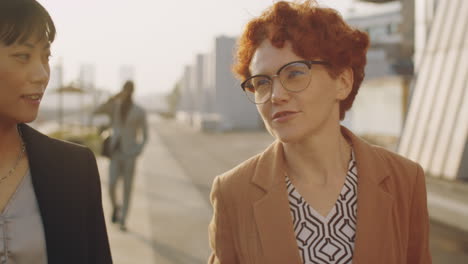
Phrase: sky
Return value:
(156, 38)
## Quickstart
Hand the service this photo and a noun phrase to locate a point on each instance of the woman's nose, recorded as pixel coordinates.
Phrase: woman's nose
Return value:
(40, 73)
(278, 92)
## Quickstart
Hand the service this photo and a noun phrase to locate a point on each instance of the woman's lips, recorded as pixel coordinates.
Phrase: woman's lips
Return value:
(32, 98)
(284, 116)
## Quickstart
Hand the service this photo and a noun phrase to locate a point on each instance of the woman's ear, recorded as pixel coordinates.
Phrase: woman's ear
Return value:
(345, 84)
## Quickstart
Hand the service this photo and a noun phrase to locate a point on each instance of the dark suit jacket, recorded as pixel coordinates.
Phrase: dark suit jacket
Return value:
(67, 186)
(252, 222)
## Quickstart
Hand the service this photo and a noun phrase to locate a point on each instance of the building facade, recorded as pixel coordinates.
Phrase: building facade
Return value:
(378, 110)
(436, 129)
(211, 97)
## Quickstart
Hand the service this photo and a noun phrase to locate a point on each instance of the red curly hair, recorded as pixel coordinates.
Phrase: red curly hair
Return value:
(314, 32)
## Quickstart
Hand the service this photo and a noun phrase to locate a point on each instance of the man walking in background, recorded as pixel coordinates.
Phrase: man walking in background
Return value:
(129, 135)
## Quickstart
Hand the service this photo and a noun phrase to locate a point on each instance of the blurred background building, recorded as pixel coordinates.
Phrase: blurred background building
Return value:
(435, 40)
(435, 109)
(437, 125)
(379, 108)
(211, 98)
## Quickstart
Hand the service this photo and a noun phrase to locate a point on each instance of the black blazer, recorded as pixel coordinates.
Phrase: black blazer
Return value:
(68, 190)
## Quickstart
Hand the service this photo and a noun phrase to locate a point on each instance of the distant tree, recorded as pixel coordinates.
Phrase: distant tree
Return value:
(172, 99)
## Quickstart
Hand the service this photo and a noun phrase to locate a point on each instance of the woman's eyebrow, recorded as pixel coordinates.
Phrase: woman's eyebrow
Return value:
(32, 46)
(28, 45)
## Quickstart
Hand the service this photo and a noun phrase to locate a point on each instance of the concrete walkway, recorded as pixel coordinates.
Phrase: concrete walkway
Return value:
(135, 245)
(179, 216)
(168, 217)
(448, 202)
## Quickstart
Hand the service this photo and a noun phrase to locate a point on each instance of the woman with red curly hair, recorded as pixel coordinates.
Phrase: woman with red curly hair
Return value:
(319, 193)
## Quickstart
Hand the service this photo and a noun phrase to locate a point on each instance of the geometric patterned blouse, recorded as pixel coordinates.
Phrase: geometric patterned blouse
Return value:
(326, 240)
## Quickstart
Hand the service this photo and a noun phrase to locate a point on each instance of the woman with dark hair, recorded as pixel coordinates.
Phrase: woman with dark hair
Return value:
(50, 194)
(319, 193)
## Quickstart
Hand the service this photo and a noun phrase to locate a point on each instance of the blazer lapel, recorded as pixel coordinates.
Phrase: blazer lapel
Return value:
(374, 205)
(41, 164)
(272, 213)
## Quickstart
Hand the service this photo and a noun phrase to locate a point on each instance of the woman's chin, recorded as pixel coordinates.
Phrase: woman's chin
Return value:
(27, 118)
(288, 137)
(288, 134)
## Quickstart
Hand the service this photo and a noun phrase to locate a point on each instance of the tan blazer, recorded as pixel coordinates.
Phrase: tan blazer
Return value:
(252, 222)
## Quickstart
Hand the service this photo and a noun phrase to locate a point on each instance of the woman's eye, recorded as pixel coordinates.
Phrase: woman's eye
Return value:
(262, 82)
(293, 74)
(23, 56)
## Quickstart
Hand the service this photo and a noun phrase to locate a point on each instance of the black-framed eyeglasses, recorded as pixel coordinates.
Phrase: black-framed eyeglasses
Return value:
(294, 76)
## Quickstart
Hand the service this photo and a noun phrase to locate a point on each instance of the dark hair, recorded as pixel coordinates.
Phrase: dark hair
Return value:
(314, 32)
(22, 19)
(128, 85)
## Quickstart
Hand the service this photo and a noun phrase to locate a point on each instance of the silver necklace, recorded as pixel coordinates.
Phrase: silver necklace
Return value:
(18, 159)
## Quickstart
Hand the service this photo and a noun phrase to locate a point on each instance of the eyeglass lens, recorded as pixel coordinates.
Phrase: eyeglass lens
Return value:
(295, 77)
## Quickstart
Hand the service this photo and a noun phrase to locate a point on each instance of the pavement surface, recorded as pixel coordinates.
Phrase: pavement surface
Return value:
(135, 245)
(170, 208)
